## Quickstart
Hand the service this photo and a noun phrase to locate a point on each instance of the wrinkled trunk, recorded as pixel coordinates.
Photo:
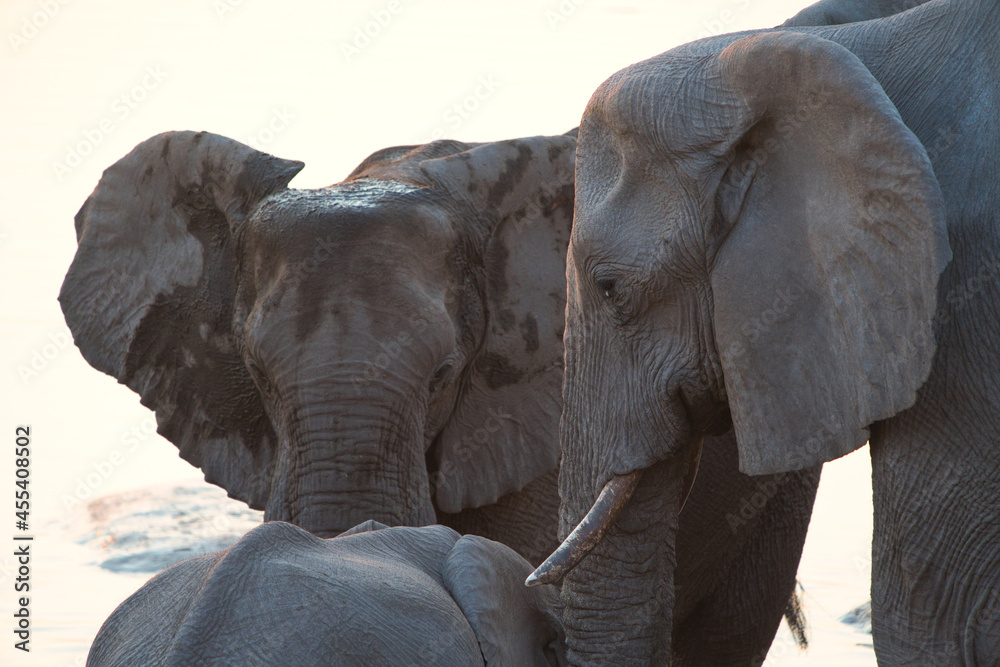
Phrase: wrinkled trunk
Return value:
(349, 457)
(618, 418)
(620, 598)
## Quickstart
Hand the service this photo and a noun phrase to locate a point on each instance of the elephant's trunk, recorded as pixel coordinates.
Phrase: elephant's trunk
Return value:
(601, 517)
(347, 461)
(620, 599)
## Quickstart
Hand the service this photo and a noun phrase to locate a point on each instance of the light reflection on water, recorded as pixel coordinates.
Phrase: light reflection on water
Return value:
(103, 75)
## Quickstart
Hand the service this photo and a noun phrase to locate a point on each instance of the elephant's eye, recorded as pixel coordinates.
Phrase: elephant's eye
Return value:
(258, 375)
(623, 302)
(606, 286)
(441, 375)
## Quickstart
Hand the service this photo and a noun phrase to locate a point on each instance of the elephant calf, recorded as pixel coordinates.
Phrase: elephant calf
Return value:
(374, 595)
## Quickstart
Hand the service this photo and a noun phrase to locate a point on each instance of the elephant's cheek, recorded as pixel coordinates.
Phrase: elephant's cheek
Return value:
(620, 599)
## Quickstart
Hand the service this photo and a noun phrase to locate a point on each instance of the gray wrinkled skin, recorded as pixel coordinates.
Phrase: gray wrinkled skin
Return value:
(385, 348)
(297, 283)
(794, 231)
(838, 12)
(373, 596)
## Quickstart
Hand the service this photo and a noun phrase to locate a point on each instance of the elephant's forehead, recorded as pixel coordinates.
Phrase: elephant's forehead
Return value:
(632, 213)
(364, 193)
(346, 213)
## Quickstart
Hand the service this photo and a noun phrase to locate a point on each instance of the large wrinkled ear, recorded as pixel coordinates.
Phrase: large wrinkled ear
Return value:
(515, 625)
(503, 432)
(149, 296)
(825, 287)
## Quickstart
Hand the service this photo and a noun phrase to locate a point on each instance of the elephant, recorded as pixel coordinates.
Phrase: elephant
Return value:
(377, 349)
(790, 232)
(372, 596)
(168, 287)
(738, 544)
(837, 12)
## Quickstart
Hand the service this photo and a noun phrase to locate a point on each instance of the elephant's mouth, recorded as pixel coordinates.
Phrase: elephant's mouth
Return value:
(614, 497)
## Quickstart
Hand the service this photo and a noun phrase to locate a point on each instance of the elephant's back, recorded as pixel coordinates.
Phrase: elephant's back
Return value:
(283, 596)
(140, 630)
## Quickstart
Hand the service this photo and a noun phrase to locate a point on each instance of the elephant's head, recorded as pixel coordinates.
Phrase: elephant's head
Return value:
(757, 241)
(376, 349)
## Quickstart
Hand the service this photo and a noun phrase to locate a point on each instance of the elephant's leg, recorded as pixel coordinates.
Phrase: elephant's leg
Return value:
(935, 565)
(738, 552)
(526, 521)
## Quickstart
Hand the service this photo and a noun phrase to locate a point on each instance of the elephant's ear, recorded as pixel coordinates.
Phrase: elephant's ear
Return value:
(514, 624)
(825, 287)
(503, 432)
(149, 296)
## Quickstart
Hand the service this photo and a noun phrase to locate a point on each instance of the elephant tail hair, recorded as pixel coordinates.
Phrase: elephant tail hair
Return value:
(795, 616)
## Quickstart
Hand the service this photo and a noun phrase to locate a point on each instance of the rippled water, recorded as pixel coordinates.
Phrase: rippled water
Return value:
(84, 82)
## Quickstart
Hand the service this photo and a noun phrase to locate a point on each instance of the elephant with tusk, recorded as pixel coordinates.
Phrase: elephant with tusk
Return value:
(791, 232)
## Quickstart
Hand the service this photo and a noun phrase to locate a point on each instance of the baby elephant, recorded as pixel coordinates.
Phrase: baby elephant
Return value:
(371, 596)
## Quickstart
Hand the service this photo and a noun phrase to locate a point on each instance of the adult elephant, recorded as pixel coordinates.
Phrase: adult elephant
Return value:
(373, 596)
(764, 223)
(377, 349)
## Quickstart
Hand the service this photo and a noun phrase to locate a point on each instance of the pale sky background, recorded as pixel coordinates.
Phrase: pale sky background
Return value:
(83, 81)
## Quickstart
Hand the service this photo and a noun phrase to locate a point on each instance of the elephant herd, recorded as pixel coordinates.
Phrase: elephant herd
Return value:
(758, 252)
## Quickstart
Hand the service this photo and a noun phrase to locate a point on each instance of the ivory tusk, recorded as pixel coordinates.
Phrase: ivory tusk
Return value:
(601, 517)
(588, 533)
